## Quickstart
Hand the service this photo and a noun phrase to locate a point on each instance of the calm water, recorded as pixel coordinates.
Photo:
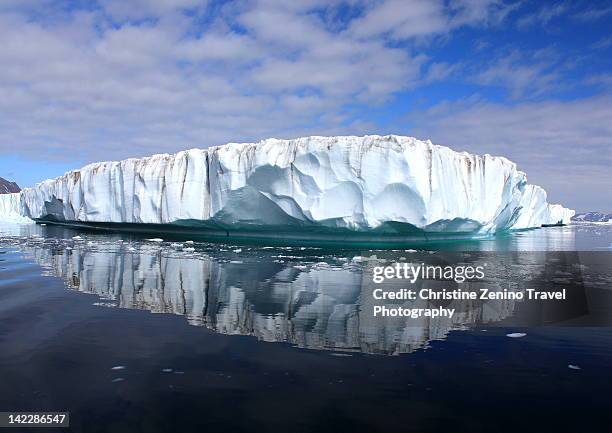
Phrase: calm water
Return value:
(255, 338)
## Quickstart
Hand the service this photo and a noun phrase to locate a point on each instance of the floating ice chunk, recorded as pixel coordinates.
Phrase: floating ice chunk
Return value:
(167, 370)
(516, 335)
(238, 250)
(118, 367)
(154, 240)
(189, 242)
(573, 367)
(77, 238)
(189, 249)
(117, 379)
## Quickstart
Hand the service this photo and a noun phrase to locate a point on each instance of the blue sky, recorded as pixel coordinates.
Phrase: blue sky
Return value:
(84, 81)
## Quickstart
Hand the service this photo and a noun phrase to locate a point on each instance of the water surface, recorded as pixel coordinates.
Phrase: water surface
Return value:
(258, 338)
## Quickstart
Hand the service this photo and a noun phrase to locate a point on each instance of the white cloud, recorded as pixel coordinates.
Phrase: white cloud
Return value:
(593, 14)
(405, 19)
(83, 87)
(220, 46)
(402, 19)
(474, 12)
(543, 16)
(441, 70)
(138, 9)
(524, 74)
(602, 44)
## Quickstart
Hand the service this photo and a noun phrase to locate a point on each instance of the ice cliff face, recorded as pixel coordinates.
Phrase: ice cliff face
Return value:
(11, 209)
(367, 184)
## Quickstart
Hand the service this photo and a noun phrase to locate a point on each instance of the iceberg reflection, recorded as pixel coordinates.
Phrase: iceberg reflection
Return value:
(277, 295)
(319, 307)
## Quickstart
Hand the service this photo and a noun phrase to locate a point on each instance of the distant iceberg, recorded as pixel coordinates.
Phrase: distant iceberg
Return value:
(370, 186)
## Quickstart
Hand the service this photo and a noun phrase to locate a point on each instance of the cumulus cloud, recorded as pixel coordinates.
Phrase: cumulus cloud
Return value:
(133, 77)
(401, 20)
(139, 9)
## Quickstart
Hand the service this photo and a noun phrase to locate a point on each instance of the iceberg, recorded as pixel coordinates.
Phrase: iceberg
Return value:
(390, 187)
(11, 209)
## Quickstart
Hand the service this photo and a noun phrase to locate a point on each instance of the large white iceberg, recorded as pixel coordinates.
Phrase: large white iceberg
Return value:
(372, 185)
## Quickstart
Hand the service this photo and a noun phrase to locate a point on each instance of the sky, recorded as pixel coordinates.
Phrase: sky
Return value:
(85, 81)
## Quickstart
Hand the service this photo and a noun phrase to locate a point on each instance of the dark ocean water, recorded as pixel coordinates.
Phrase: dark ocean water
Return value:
(255, 338)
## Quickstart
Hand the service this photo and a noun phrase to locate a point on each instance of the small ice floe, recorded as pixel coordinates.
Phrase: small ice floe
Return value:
(68, 249)
(516, 335)
(118, 367)
(236, 262)
(117, 379)
(167, 370)
(77, 238)
(238, 250)
(90, 243)
(411, 251)
(154, 240)
(340, 354)
(131, 249)
(573, 367)
(176, 245)
(104, 304)
(189, 249)
(189, 242)
(43, 225)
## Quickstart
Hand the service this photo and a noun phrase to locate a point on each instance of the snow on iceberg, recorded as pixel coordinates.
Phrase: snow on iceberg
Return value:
(376, 185)
(11, 209)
